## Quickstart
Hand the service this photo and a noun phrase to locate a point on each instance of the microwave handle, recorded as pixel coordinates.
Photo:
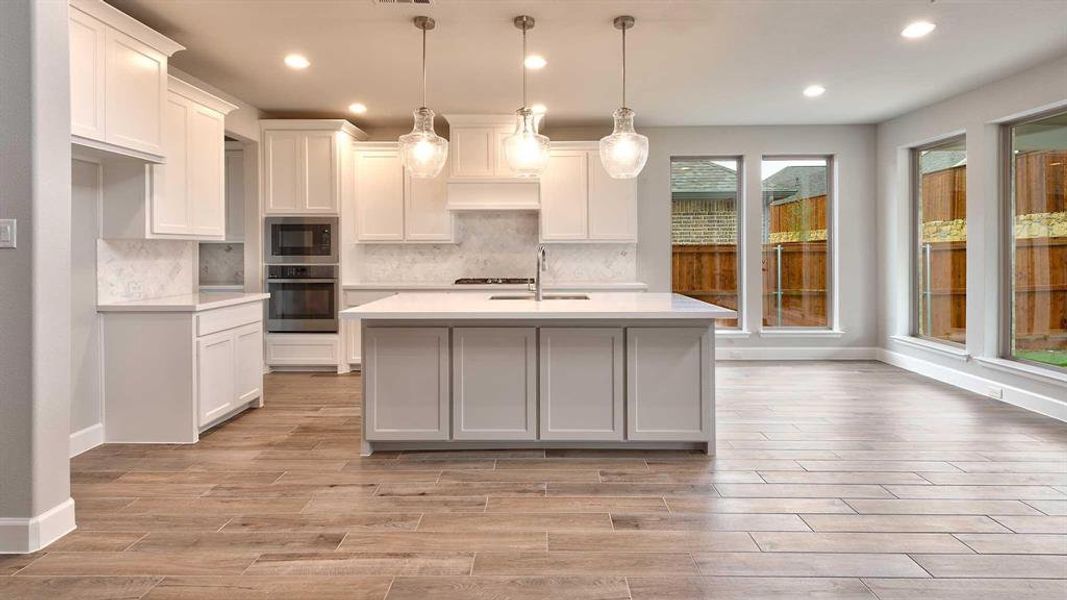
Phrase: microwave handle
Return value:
(301, 281)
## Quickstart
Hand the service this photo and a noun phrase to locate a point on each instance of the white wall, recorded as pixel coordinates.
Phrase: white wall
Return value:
(86, 403)
(853, 149)
(979, 114)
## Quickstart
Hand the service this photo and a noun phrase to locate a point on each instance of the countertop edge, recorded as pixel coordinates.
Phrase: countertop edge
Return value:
(145, 306)
(569, 286)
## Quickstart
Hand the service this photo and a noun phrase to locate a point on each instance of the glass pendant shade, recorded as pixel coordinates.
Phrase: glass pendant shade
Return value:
(624, 152)
(422, 151)
(526, 151)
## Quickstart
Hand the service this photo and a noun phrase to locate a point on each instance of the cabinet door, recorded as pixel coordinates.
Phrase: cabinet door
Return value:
(207, 198)
(473, 151)
(284, 179)
(216, 369)
(235, 195)
(379, 196)
(500, 159)
(612, 204)
(320, 172)
(669, 387)
(87, 58)
(405, 383)
(248, 342)
(581, 382)
(136, 78)
(170, 181)
(426, 214)
(494, 387)
(564, 187)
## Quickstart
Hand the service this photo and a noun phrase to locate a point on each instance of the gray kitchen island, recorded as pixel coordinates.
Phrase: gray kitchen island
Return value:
(482, 370)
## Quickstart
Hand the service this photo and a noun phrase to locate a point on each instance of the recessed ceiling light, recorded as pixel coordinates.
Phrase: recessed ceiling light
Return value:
(535, 61)
(918, 29)
(539, 109)
(357, 108)
(814, 91)
(298, 62)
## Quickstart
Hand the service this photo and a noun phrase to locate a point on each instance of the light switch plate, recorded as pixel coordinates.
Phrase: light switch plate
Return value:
(8, 230)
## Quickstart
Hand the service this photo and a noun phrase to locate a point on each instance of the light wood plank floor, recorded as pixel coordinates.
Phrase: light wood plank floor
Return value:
(832, 480)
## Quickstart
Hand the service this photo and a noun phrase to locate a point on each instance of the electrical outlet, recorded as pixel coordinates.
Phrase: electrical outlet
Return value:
(8, 233)
(995, 392)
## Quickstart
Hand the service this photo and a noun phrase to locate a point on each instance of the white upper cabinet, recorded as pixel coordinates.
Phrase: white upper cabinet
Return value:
(392, 206)
(185, 197)
(476, 144)
(580, 202)
(118, 81)
(189, 197)
(564, 188)
(303, 163)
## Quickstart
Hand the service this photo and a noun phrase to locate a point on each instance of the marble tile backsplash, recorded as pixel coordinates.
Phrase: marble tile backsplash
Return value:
(139, 269)
(222, 264)
(496, 244)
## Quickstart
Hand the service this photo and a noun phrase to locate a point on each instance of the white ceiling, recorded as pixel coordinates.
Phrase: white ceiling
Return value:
(691, 62)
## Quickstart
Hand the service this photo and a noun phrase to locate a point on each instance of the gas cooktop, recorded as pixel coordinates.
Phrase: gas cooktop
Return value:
(494, 280)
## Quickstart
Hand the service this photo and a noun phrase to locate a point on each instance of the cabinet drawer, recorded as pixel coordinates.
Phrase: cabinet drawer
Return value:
(227, 318)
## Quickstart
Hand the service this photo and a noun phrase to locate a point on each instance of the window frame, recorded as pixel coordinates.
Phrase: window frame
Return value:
(1006, 238)
(739, 203)
(915, 197)
(831, 242)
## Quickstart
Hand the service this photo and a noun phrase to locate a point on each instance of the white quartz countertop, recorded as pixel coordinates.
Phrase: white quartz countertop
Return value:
(605, 305)
(636, 286)
(184, 302)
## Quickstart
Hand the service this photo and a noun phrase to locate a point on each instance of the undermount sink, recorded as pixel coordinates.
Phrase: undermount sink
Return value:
(545, 297)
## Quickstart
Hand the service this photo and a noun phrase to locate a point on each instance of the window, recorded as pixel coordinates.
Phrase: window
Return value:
(796, 258)
(940, 266)
(1038, 209)
(705, 255)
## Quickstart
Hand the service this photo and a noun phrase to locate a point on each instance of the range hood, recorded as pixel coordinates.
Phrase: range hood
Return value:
(478, 176)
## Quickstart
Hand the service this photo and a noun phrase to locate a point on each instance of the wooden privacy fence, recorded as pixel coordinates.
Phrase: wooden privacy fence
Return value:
(708, 272)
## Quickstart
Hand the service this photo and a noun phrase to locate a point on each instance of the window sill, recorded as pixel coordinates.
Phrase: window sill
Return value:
(735, 334)
(948, 350)
(801, 333)
(1013, 367)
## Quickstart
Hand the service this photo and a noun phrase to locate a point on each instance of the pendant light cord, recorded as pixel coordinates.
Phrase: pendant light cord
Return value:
(424, 67)
(524, 64)
(624, 67)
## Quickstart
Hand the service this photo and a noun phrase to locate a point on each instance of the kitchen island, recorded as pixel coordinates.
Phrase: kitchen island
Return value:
(575, 370)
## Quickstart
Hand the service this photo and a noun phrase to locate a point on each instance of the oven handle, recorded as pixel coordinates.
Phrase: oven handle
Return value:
(301, 281)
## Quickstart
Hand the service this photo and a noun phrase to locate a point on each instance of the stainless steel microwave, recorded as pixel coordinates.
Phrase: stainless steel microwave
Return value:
(301, 240)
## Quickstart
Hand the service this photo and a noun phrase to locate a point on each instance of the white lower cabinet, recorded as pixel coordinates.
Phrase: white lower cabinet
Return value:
(170, 375)
(581, 383)
(669, 383)
(494, 383)
(406, 383)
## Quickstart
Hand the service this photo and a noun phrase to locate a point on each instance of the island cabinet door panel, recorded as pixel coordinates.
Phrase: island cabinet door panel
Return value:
(581, 383)
(494, 387)
(669, 387)
(405, 380)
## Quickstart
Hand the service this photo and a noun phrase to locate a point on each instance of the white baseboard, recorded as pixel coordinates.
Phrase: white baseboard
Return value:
(795, 353)
(22, 536)
(86, 439)
(1012, 395)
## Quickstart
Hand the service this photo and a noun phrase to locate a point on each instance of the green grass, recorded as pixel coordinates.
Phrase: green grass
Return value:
(1056, 358)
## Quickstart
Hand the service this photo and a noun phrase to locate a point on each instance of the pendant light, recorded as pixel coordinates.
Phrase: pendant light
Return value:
(624, 152)
(526, 150)
(422, 151)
